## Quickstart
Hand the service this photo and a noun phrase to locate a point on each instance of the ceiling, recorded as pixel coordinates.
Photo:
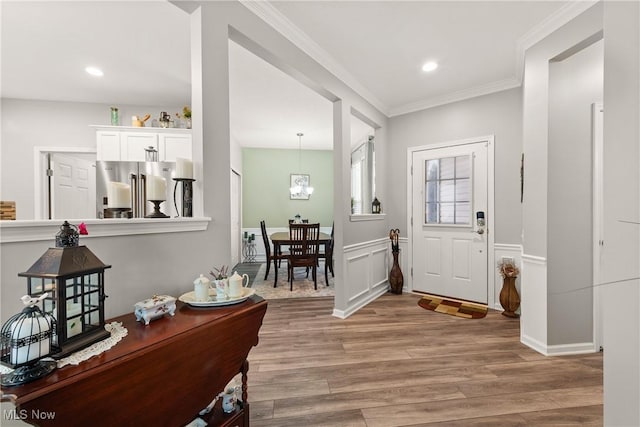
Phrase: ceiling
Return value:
(377, 47)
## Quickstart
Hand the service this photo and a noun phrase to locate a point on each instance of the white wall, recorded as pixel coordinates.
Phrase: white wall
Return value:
(498, 114)
(621, 202)
(574, 84)
(535, 322)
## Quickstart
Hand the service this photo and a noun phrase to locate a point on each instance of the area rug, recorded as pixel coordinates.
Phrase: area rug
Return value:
(465, 309)
(302, 285)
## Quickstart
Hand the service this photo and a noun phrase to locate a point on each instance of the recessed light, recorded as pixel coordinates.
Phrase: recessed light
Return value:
(429, 66)
(94, 71)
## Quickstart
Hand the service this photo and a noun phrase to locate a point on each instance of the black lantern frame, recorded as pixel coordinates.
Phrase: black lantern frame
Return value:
(73, 277)
(375, 206)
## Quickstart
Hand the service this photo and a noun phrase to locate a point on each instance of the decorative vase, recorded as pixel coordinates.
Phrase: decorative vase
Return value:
(396, 280)
(509, 298)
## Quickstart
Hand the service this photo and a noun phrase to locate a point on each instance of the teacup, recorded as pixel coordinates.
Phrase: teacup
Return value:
(222, 289)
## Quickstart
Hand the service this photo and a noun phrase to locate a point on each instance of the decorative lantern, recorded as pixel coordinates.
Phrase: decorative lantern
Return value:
(73, 277)
(24, 340)
(375, 206)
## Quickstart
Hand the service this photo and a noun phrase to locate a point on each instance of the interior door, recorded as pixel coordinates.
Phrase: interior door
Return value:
(74, 187)
(450, 210)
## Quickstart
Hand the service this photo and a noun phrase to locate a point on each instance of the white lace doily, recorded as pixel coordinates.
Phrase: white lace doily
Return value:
(117, 332)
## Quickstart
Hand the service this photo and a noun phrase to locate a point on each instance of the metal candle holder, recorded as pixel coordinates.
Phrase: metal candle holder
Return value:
(156, 210)
(187, 196)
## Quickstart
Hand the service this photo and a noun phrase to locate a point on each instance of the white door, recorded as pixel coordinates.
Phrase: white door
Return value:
(450, 210)
(73, 194)
(235, 217)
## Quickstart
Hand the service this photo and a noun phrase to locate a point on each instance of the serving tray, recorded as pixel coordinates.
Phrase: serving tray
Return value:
(190, 298)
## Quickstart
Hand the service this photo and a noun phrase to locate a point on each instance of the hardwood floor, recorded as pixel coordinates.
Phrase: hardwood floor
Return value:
(396, 364)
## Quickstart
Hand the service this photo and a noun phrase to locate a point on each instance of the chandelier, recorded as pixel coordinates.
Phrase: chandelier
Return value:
(301, 186)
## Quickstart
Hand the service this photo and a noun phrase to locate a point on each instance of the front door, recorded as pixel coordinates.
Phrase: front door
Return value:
(450, 212)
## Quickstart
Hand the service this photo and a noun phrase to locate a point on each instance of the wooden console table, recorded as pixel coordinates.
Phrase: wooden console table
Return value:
(162, 374)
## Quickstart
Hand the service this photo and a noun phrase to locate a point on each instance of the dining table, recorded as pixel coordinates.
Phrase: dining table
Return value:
(282, 238)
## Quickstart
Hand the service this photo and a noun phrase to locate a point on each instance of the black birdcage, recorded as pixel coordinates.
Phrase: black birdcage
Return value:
(25, 339)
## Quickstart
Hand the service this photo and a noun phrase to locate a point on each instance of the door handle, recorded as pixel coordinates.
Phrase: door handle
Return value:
(478, 231)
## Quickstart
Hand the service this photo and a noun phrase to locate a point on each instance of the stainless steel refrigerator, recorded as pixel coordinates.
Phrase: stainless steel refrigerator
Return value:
(135, 175)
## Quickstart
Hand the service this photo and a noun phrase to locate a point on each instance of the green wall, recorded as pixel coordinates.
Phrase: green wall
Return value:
(265, 186)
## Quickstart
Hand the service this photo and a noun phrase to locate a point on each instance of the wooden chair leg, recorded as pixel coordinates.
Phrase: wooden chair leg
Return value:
(315, 278)
(291, 279)
(268, 267)
(275, 267)
(326, 276)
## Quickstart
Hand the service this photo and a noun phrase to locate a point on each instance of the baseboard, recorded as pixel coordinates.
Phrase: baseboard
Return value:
(343, 314)
(534, 344)
(569, 349)
(558, 350)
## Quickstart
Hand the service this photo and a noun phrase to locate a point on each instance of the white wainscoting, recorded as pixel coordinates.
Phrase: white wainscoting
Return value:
(533, 322)
(366, 271)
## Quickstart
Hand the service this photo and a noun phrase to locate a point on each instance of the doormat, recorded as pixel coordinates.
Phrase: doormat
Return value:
(465, 309)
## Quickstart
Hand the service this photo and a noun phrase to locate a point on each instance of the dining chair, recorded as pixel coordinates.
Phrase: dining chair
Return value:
(327, 255)
(304, 221)
(304, 252)
(275, 257)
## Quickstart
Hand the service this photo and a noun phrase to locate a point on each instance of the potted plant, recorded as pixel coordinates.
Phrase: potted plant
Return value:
(509, 297)
(186, 113)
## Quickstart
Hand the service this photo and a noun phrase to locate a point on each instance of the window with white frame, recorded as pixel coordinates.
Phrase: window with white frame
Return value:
(447, 195)
(363, 177)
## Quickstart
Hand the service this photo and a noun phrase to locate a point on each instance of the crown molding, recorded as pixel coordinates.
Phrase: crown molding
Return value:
(550, 24)
(289, 30)
(273, 17)
(461, 95)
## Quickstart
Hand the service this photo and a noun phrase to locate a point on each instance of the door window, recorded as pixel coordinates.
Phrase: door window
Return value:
(447, 192)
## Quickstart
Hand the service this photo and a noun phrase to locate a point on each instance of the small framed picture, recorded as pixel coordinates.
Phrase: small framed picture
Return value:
(299, 185)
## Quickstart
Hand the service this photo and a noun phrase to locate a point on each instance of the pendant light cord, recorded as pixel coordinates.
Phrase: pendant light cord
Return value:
(300, 152)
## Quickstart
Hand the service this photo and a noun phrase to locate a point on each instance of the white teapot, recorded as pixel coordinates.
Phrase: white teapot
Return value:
(236, 283)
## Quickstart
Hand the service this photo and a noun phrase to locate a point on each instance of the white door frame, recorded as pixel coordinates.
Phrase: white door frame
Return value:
(489, 139)
(597, 111)
(238, 209)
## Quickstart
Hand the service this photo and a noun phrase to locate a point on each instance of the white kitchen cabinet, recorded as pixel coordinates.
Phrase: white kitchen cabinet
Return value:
(108, 145)
(124, 143)
(133, 145)
(172, 146)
